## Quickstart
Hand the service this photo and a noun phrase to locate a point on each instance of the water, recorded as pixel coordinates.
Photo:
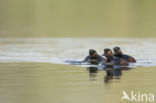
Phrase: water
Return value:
(58, 50)
(33, 70)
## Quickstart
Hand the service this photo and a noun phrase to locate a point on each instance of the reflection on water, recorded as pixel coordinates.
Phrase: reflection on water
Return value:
(49, 83)
(32, 70)
(111, 72)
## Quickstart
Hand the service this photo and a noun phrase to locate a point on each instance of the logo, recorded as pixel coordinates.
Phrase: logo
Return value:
(140, 97)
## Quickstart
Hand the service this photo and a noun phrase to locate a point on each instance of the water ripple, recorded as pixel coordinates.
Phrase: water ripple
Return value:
(58, 50)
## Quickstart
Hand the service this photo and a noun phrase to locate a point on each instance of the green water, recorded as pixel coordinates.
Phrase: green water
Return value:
(77, 18)
(49, 83)
(27, 74)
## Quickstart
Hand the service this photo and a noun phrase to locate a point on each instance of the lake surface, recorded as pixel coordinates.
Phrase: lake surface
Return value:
(33, 70)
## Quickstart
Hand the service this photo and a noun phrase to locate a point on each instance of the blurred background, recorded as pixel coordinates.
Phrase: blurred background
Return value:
(31, 59)
(77, 18)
